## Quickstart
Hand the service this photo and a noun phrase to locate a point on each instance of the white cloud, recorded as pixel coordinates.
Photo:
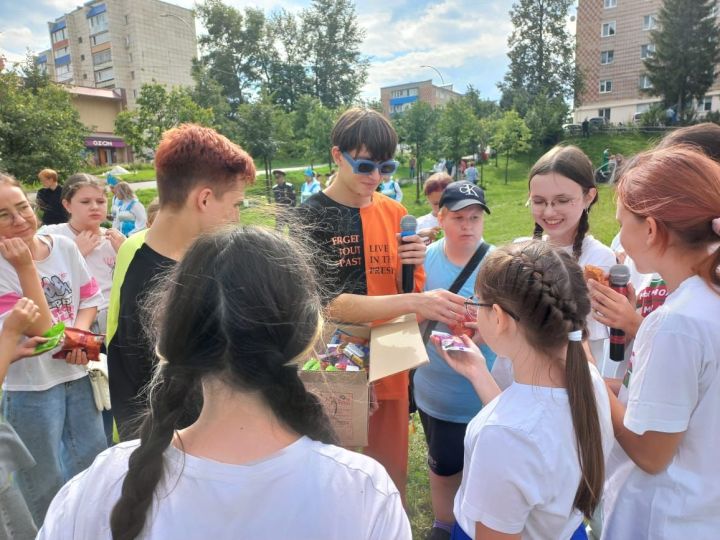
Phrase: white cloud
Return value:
(15, 40)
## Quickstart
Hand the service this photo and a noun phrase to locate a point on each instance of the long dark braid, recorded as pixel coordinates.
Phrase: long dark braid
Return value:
(582, 230)
(241, 306)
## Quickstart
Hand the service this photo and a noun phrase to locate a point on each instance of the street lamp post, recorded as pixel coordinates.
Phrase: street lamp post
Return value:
(436, 70)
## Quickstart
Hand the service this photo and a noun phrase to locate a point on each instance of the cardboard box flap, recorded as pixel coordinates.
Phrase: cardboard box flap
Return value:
(396, 346)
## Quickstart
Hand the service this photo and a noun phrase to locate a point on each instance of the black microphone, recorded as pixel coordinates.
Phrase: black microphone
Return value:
(619, 277)
(408, 227)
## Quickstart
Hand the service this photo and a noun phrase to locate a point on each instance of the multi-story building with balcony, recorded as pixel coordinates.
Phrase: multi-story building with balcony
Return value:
(613, 39)
(398, 98)
(122, 44)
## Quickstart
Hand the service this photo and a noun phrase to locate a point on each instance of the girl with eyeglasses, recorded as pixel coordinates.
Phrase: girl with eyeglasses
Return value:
(259, 460)
(535, 453)
(663, 473)
(48, 401)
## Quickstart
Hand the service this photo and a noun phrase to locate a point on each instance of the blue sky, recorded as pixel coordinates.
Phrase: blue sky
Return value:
(466, 40)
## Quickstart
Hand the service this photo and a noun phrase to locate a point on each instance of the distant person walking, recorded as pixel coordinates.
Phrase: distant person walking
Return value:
(412, 164)
(49, 198)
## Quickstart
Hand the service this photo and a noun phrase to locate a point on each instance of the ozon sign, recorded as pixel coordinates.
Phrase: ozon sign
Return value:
(104, 143)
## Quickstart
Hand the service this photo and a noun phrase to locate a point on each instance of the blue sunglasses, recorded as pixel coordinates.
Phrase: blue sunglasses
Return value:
(365, 166)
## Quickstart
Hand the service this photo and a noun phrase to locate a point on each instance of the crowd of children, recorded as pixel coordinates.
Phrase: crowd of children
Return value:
(207, 323)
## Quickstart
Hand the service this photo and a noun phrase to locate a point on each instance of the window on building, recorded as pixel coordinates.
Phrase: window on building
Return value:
(80, 40)
(605, 113)
(130, 57)
(608, 29)
(104, 75)
(642, 107)
(82, 57)
(84, 75)
(610, 3)
(63, 73)
(102, 57)
(127, 19)
(132, 75)
(647, 50)
(98, 23)
(62, 51)
(605, 86)
(135, 94)
(607, 57)
(645, 82)
(412, 92)
(705, 104)
(59, 35)
(649, 22)
(99, 39)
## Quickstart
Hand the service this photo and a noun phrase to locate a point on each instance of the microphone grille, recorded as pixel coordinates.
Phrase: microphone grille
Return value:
(408, 224)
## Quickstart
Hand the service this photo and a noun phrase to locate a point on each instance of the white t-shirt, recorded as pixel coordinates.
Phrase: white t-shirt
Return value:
(68, 288)
(428, 221)
(308, 490)
(672, 386)
(100, 261)
(521, 469)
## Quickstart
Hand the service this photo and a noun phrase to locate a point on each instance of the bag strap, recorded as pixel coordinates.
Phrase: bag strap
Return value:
(459, 282)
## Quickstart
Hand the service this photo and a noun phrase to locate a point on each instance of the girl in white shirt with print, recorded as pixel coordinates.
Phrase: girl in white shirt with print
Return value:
(48, 401)
(663, 474)
(257, 462)
(535, 454)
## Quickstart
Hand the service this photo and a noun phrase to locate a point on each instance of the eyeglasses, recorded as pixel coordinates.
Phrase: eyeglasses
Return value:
(365, 166)
(23, 210)
(472, 305)
(559, 203)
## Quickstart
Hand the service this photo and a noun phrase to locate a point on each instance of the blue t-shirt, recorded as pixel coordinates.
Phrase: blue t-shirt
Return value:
(471, 174)
(439, 390)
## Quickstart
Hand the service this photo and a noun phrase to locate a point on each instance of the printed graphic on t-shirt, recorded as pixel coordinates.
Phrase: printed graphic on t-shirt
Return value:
(58, 294)
(379, 260)
(651, 297)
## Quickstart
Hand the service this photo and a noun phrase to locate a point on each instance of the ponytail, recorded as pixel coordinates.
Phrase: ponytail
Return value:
(583, 408)
(583, 228)
(709, 269)
(171, 388)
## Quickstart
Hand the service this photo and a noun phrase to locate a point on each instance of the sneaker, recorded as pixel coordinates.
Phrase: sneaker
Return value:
(436, 533)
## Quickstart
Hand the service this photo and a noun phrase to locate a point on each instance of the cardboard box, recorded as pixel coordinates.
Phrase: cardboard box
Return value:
(395, 346)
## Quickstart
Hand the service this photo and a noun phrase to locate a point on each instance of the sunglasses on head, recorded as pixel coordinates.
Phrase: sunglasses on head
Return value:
(365, 166)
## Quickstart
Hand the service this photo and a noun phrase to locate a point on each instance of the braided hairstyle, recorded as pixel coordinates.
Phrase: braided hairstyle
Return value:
(239, 307)
(573, 164)
(546, 290)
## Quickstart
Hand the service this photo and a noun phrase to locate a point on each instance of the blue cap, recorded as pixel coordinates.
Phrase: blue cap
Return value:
(111, 180)
(309, 172)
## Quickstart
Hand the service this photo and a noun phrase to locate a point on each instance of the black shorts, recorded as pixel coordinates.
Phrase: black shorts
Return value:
(445, 441)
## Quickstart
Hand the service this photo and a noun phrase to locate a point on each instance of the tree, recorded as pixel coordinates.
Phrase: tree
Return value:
(541, 55)
(482, 108)
(416, 127)
(337, 68)
(39, 128)
(545, 118)
(687, 50)
(236, 48)
(455, 130)
(157, 111)
(320, 121)
(262, 126)
(511, 136)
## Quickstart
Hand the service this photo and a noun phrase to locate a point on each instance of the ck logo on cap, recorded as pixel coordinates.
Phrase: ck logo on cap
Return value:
(468, 189)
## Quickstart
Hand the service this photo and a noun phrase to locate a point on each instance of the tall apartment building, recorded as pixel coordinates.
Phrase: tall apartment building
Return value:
(396, 99)
(122, 44)
(613, 38)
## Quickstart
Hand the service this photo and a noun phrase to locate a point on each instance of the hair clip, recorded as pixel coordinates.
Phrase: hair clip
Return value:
(575, 335)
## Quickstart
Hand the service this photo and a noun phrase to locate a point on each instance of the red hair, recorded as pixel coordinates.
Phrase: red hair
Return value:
(437, 182)
(679, 187)
(191, 155)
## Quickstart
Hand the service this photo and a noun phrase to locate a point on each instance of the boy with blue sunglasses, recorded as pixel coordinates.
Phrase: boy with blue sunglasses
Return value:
(356, 229)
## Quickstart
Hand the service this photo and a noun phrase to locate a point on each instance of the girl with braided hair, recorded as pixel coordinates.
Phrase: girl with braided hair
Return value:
(236, 315)
(535, 453)
(664, 473)
(562, 193)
